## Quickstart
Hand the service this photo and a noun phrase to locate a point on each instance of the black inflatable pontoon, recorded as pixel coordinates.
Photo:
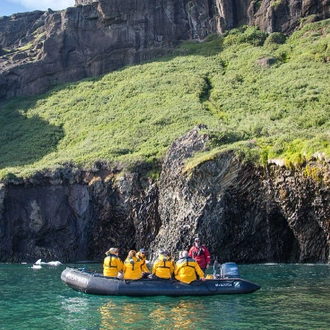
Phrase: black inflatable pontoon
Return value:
(95, 283)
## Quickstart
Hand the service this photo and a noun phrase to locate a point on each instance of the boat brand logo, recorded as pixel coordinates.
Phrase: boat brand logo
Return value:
(224, 284)
(77, 279)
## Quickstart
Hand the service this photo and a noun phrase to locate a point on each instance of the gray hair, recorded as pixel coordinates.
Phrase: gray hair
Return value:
(183, 254)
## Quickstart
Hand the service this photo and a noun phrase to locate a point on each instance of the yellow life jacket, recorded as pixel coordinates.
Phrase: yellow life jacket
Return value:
(163, 267)
(187, 270)
(132, 269)
(112, 265)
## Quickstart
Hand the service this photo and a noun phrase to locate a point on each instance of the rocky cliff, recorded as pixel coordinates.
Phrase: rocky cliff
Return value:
(242, 213)
(39, 50)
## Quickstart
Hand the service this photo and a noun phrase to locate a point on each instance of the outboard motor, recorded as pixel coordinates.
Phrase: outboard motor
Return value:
(229, 270)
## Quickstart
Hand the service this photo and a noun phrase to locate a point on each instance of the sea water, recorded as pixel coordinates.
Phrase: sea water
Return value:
(291, 297)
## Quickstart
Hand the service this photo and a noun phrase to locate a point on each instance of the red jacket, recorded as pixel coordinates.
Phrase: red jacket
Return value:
(201, 255)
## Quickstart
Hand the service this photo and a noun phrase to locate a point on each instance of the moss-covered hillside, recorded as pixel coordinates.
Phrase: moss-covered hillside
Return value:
(263, 95)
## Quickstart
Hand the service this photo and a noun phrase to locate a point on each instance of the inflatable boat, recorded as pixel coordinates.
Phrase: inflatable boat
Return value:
(95, 283)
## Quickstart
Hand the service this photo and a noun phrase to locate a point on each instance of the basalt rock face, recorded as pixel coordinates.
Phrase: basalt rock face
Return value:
(269, 15)
(242, 213)
(284, 15)
(303, 197)
(76, 216)
(39, 50)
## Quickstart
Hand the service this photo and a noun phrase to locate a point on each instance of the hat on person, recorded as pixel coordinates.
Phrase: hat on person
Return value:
(197, 239)
(113, 250)
(142, 250)
(161, 251)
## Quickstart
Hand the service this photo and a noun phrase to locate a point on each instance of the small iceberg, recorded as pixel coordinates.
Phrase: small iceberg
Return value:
(34, 266)
(50, 263)
(38, 262)
(54, 263)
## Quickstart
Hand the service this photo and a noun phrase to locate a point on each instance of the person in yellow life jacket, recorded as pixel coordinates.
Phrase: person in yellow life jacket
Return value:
(112, 265)
(132, 267)
(187, 269)
(163, 266)
(142, 256)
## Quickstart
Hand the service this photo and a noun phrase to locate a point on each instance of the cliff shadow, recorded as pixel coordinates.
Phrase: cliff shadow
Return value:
(25, 139)
(211, 46)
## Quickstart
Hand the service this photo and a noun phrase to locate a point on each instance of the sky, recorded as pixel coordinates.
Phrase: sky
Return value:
(8, 7)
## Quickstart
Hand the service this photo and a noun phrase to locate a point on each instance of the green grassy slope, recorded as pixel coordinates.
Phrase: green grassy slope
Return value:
(280, 109)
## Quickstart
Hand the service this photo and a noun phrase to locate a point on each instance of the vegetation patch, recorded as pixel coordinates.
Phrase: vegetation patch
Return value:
(133, 115)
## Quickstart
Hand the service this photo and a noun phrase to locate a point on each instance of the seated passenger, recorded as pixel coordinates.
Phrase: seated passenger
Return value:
(142, 256)
(112, 265)
(187, 269)
(132, 267)
(163, 266)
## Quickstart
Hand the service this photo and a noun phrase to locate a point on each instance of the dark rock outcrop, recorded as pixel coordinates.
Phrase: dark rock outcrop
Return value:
(39, 50)
(76, 215)
(242, 213)
(284, 15)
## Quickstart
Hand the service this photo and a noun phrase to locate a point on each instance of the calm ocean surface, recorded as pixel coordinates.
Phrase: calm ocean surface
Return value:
(291, 297)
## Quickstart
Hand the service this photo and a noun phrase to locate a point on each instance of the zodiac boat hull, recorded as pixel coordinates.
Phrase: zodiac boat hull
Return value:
(94, 283)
